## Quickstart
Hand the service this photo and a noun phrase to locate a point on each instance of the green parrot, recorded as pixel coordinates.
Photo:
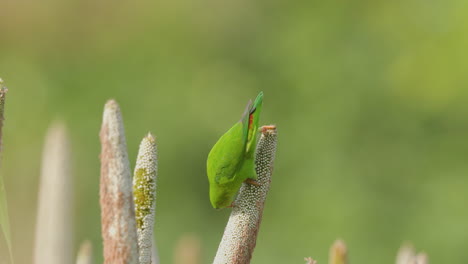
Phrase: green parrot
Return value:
(231, 160)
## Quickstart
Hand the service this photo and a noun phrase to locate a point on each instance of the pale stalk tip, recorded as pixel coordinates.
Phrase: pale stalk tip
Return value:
(85, 255)
(111, 104)
(338, 253)
(86, 248)
(150, 137)
(405, 254)
(310, 260)
(422, 258)
(270, 129)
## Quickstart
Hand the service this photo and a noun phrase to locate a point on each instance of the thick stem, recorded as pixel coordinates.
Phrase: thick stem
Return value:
(117, 213)
(240, 235)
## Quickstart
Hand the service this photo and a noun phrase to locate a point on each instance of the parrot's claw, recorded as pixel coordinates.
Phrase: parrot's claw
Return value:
(232, 205)
(252, 182)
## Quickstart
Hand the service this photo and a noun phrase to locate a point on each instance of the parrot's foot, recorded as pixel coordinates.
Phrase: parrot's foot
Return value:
(232, 205)
(252, 182)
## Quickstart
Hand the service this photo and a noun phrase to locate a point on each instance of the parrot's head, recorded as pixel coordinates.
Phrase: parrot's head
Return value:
(221, 198)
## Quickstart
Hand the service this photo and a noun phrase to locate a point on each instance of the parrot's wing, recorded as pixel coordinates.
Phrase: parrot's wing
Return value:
(252, 126)
(226, 155)
(245, 120)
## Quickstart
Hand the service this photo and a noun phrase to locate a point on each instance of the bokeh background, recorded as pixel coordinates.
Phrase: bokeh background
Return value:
(370, 99)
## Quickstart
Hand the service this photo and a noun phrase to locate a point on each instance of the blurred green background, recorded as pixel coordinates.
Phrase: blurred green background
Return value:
(370, 100)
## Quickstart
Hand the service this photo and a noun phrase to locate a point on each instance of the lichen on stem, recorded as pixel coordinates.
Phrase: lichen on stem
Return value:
(144, 193)
(241, 231)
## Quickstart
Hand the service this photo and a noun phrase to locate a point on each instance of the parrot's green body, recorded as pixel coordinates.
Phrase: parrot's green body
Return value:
(231, 160)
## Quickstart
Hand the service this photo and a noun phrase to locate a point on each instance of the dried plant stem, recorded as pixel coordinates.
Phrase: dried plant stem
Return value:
(85, 255)
(117, 213)
(144, 194)
(54, 227)
(240, 235)
(338, 253)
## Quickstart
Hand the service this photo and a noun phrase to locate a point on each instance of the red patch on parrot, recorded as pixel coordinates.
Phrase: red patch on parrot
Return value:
(250, 119)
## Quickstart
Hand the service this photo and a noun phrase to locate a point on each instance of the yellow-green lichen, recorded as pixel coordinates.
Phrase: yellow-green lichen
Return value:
(143, 191)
